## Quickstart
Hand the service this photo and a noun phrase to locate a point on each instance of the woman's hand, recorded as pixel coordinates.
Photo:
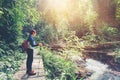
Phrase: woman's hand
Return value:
(40, 44)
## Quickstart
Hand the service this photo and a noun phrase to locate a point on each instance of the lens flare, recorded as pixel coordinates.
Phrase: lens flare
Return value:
(57, 4)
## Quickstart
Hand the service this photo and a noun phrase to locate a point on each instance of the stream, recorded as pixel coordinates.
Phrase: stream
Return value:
(100, 71)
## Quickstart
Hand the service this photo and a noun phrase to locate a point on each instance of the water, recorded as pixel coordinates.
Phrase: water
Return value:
(108, 76)
(100, 71)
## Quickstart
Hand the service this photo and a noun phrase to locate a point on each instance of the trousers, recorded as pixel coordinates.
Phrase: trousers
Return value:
(29, 60)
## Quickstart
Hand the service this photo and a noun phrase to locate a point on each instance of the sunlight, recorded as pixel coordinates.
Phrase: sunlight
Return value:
(64, 12)
(58, 4)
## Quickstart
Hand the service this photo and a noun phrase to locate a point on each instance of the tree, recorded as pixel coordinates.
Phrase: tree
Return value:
(106, 10)
(14, 14)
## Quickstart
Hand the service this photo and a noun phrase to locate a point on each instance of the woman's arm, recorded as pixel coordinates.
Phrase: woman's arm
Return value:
(32, 42)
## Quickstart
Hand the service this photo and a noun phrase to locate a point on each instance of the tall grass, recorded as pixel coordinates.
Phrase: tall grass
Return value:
(57, 67)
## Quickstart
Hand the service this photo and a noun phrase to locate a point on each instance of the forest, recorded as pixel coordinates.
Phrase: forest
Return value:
(73, 30)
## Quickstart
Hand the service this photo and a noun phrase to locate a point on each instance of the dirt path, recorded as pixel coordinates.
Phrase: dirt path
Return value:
(37, 67)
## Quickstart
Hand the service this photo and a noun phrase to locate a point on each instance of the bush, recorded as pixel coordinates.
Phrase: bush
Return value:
(117, 55)
(57, 67)
(9, 64)
(46, 33)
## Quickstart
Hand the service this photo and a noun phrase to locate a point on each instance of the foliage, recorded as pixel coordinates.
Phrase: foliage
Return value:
(14, 15)
(10, 60)
(77, 14)
(10, 64)
(7, 26)
(118, 9)
(73, 42)
(46, 33)
(108, 33)
(28, 14)
(117, 55)
(105, 34)
(52, 25)
(56, 66)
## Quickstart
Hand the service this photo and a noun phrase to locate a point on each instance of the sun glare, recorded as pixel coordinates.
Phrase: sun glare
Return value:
(58, 4)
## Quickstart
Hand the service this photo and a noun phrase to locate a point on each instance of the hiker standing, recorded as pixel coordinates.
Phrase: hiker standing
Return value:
(30, 51)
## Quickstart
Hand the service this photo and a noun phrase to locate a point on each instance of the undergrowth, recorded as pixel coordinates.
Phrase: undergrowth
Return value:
(57, 67)
(10, 60)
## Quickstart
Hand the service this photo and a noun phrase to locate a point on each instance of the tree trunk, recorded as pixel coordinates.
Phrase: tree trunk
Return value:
(106, 10)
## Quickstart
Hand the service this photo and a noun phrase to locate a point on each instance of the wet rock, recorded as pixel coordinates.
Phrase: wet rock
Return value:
(109, 76)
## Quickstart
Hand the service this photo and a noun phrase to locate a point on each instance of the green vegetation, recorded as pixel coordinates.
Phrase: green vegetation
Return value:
(118, 9)
(10, 60)
(75, 24)
(56, 66)
(117, 56)
(13, 16)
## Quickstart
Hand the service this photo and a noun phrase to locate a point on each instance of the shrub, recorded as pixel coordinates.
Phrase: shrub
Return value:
(57, 67)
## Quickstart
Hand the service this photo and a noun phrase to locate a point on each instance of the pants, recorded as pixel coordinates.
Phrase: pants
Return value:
(29, 60)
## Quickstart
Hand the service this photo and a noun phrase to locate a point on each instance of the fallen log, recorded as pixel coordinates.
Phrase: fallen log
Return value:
(100, 52)
(102, 45)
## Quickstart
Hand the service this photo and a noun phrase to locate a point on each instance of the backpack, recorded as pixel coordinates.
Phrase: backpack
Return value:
(25, 45)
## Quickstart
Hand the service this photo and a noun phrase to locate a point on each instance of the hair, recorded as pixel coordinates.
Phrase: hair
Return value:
(32, 31)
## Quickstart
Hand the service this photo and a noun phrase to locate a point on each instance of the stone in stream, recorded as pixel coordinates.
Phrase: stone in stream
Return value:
(109, 76)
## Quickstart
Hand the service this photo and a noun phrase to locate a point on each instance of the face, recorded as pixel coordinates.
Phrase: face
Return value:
(34, 34)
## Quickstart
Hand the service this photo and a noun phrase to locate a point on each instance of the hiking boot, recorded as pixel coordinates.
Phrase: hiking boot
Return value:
(31, 73)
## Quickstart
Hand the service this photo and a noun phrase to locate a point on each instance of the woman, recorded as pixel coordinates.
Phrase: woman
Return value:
(30, 50)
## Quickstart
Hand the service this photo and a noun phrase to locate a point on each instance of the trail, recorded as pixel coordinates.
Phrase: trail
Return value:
(37, 67)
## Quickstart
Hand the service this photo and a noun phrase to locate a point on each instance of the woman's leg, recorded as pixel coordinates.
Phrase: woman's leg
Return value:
(29, 60)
